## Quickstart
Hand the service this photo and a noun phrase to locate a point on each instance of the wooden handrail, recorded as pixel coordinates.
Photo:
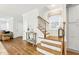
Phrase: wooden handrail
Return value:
(64, 49)
(42, 19)
(45, 23)
(63, 36)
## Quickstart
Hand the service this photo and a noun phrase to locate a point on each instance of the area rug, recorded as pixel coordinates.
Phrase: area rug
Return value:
(3, 51)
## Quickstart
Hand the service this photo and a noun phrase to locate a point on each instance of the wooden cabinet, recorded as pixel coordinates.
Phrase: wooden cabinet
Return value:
(5, 37)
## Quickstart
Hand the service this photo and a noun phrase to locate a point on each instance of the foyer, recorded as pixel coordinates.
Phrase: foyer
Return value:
(39, 29)
(21, 47)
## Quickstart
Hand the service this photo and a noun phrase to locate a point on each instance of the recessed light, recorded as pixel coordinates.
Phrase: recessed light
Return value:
(53, 5)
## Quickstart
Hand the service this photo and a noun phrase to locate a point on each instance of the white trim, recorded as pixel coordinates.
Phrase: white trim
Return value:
(72, 50)
(52, 41)
(44, 52)
(51, 47)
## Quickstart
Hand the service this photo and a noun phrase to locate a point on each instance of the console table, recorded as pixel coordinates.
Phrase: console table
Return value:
(31, 37)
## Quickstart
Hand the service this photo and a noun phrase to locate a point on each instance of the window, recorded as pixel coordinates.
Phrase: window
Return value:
(54, 21)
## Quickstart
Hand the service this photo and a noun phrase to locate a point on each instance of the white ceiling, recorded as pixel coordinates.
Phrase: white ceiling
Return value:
(7, 10)
(71, 5)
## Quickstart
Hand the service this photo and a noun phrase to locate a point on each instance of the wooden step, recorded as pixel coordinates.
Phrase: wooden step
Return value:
(52, 41)
(43, 52)
(55, 38)
(52, 44)
(51, 47)
(49, 50)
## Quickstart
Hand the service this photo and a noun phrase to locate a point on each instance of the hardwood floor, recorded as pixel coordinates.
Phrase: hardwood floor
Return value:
(21, 47)
(72, 53)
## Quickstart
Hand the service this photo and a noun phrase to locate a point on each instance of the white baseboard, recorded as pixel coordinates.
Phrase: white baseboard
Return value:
(51, 47)
(72, 50)
(18, 37)
(44, 52)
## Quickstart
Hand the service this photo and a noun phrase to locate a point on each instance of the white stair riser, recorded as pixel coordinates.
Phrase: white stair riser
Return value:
(44, 52)
(51, 47)
(51, 41)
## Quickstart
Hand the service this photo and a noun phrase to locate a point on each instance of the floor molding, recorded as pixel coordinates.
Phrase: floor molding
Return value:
(72, 50)
(18, 37)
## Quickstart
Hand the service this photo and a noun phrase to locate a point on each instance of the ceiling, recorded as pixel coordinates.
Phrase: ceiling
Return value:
(8, 10)
(71, 5)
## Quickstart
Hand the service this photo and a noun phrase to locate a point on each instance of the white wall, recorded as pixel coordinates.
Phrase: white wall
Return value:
(31, 19)
(3, 25)
(10, 24)
(18, 26)
(43, 12)
(73, 27)
(6, 24)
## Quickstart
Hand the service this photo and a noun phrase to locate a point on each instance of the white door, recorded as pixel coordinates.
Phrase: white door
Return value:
(73, 36)
(73, 27)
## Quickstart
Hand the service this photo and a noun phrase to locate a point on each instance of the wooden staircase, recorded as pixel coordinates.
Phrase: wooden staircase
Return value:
(53, 47)
(49, 45)
(43, 31)
(42, 25)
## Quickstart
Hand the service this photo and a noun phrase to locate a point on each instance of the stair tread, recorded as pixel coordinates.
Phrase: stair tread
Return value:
(43, 52)
(55, 38)
(52, 41)
(52, 44)
(49, 50)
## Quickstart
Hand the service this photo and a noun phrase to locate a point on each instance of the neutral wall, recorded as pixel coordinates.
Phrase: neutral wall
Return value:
(3, 25)
(18, 26)
(10, 24)
(73, 27)
(6, 24)
(30, 19)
